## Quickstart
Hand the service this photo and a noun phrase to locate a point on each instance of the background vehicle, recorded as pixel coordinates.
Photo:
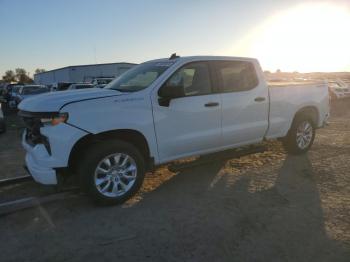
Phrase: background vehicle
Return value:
(80, 86)
(13, 93)
(8, 91)
(30, 91)
(2, 120)
(2, 87)
(100, 86)
(101, 82)
(338, 89)
(339, 92)
(61, 86)
(161, 111)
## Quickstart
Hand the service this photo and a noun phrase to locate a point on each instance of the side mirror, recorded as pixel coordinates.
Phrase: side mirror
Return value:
(171, 92)
(168, 92)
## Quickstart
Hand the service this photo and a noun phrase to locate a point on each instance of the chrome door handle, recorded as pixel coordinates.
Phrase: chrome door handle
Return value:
(211, 104)
(260, 99)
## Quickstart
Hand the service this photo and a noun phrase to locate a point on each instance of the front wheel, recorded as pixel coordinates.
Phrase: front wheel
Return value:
(112, 172)
(300, 136)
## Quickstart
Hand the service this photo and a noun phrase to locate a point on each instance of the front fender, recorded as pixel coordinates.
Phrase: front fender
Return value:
(115, 113)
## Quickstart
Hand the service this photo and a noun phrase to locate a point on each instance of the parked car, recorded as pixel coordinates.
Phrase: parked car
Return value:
(338, 89)
(60, 86)
(100, 86)
(2, 121)
(160, 111)
(14, 92)
(2, 87)
(102, 80)
(80, 86)
(338, 92)
(7, 91)
(27, 91)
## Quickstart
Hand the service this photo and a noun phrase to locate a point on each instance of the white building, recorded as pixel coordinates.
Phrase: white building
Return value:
(81, 73)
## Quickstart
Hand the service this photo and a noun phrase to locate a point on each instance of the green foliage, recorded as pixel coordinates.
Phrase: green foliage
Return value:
(39, 70)
(20, 75)
(9, 76)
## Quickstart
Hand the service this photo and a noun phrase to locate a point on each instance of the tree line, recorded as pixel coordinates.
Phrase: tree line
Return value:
(19, 75)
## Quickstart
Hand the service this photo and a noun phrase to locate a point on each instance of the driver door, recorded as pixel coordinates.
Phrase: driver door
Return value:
(189, 125)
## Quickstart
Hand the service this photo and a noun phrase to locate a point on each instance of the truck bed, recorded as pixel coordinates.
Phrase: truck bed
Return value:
(295, 83)
(287, 101)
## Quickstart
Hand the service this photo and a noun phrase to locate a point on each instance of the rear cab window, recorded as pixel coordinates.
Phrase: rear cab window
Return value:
(236, 76)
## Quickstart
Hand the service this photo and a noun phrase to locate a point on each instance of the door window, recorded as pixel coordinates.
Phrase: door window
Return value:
(237, 76)
(194, 78)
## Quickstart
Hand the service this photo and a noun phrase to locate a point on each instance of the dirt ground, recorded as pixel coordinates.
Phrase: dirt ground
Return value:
(264, 207)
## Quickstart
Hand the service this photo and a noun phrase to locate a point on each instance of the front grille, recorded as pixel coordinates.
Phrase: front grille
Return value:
(33, 125)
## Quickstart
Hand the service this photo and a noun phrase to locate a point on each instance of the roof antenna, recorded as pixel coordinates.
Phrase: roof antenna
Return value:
(173, 56)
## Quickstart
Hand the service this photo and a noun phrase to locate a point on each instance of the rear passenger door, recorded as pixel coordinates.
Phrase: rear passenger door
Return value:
(244, 103)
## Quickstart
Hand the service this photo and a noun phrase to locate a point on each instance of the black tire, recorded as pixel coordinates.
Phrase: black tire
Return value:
(290, 141)
(90, 161)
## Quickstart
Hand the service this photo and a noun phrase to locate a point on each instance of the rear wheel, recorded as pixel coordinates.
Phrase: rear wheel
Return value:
(112, 172)
(300, 136)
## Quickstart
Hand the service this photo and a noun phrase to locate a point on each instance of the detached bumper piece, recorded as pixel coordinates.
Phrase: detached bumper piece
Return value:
(47, 146)
(37, 147)
(32, 122)
(40, 173)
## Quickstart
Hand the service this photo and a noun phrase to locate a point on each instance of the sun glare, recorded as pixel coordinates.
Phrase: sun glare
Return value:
(309, 37)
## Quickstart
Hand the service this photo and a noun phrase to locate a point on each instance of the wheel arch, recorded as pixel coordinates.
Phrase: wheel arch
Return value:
(289, 141)
(131, 136)
(310, 111)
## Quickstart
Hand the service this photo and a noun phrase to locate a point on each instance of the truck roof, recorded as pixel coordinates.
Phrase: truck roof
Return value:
(202, 58)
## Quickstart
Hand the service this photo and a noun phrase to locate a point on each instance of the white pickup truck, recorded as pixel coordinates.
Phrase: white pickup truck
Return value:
(160, 111)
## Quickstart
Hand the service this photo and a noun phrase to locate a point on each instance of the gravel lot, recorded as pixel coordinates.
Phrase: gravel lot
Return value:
(264, 207)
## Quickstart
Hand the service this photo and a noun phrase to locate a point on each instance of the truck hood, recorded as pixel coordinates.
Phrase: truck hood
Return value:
(54, 101)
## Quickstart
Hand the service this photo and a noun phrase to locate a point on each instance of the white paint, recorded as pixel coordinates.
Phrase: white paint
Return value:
(185, 128)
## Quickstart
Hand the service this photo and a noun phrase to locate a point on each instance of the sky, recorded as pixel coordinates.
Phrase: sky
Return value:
(290, 35)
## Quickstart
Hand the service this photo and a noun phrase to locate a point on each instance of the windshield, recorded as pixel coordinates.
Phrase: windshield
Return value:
(139, 77)
(33, 90)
